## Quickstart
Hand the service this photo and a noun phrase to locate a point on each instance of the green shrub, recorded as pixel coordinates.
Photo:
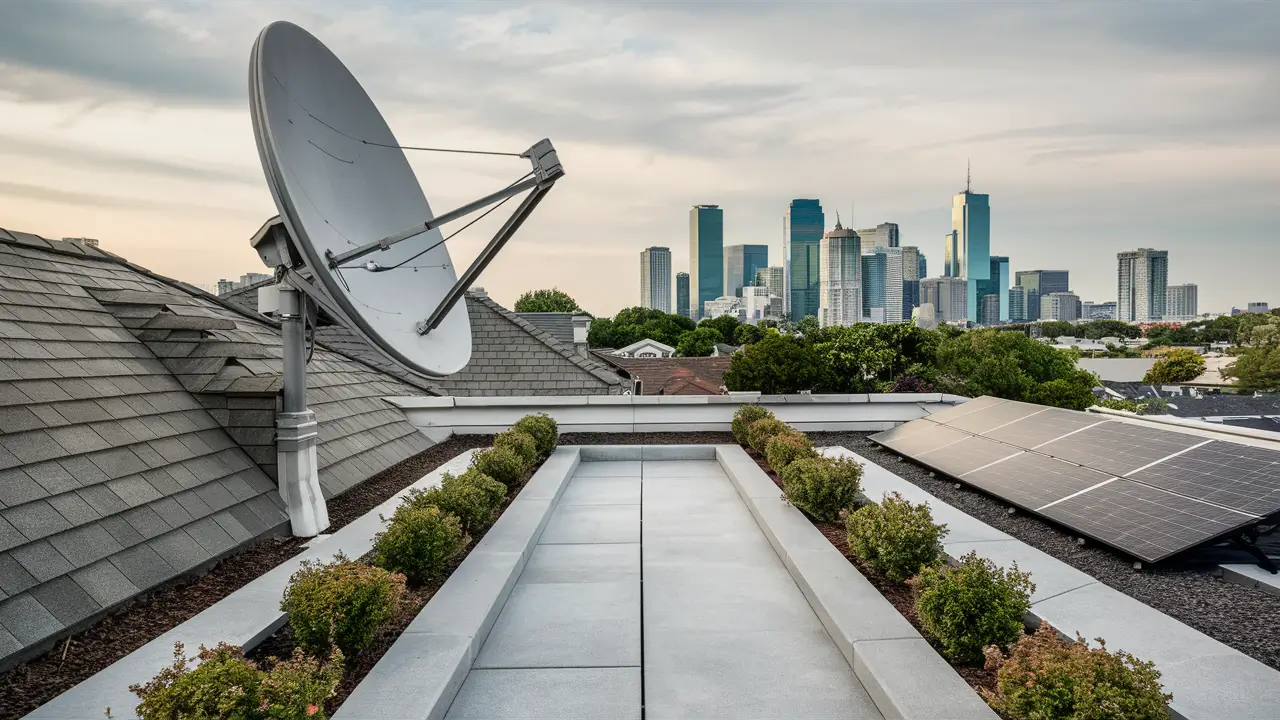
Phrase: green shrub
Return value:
(542, 428)
(742, 420)
(521, 443)
(472, 497)
(419, 542)
(493, 490)
(340, 602)
(895, 538)
(969, 607)
(226, 685)
(785, 448)
(759, 432)
(501, 464)
(822, 486)
(1045, 678)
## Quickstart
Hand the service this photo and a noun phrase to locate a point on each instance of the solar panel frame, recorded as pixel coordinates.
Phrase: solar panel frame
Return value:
(994, 416)
(942, 417)
(922, 438)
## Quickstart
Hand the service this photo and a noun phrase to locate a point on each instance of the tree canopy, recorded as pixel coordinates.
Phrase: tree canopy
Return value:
(699, 342)
(553, 300)
(1014, 367)
(726, 325)
(1257, 367)
(633, 324)
(1178, 366)
(774, 365)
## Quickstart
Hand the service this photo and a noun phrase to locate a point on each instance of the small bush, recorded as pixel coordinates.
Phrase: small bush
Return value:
(785, 448)
(521, 443)
(1045, 678)
(822, 486)
(969, 607)
(226, 685)
(419, 542)
(493, 490)
(500, 463)
(342, 602)
(742, 420)
(760, 431)
(542, 428)
(895, 538)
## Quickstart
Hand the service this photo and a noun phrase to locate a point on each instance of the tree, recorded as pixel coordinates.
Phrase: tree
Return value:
(726, 325)
(808, 325)
(1013, 367)
(1057, 328)
(1256, 369)
(869, 357)
(1098, 329)
(633, 324)
(1178, 366)
(745, 334)
(699, 342)
(776, 364)
(553, 300)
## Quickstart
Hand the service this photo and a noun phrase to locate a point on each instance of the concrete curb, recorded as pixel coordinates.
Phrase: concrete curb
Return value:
(905, 678)
(423, 670)
(246, 617)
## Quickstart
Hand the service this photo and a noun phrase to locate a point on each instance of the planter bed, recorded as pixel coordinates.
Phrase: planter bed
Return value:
(27, 686)
(1244, 618)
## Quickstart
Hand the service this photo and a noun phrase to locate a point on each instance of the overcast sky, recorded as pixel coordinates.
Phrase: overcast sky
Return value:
(1095, 127)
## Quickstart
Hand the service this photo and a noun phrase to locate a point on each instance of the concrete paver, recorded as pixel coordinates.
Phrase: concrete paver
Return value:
(560, 693)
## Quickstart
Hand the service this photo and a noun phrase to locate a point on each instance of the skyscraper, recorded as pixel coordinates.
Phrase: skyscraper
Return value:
(1143, 276)
(1017, 304)
(882, 235)
(924, 267)
(1037, 283)
(873, 284)
(971, 226)
(950, 255)
(740, 265)
(893, 267)
(840, 273)
(997, 285)
(989, 314)
(772, 278)
(1060, 306)
(655, 278)
(1182, 301)
(912, 261)
(947, 296)
(706, 256)
(682, 294)
(802, 234)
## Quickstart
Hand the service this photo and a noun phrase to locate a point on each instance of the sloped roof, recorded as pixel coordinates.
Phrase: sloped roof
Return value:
(116, 471)
(674, 375)
(558, 325)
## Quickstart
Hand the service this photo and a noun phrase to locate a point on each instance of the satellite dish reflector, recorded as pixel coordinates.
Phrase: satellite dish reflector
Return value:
(349, 201)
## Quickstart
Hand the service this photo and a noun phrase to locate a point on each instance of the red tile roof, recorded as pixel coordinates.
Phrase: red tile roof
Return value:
(674, 375)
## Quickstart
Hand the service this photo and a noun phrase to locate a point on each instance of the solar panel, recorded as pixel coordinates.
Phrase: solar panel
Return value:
(1241, 477)
(1147, 491)
(1031, 480)
(1117, 447)
(1146, 522)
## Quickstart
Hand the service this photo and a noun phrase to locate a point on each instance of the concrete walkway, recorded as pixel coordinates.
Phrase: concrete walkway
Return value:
(689, 614)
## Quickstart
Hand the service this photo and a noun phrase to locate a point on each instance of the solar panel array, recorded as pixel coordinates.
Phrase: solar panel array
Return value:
(1149, 492)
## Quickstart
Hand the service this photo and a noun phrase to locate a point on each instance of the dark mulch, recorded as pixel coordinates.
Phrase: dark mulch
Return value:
(898, 594)
(28, 686)
(281, 643)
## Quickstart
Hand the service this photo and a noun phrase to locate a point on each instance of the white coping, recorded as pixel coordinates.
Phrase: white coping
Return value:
(1208, 679)
(246, 617)
(440, 417)
(1252, 576)
(901, 672)
(420, 675)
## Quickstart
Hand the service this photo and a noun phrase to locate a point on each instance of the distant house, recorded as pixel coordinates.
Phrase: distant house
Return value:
(645, 349)
(672, 375)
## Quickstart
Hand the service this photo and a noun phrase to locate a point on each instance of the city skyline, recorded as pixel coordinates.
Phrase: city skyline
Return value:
(1160, 136)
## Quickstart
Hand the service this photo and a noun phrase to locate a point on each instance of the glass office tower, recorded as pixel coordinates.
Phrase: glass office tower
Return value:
(706, 256)
(655, 278)
(971, 236)
(1037, 283)
(682, 294)
(803, 235)
(740, 265)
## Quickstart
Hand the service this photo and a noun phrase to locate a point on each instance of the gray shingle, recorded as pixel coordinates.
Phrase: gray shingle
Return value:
(73, 507)
(146, 521)
(192, 503)
(238, 488)
(162, 481)
(210, 535)
(148, 456)
(142, 566)
(8, 643)
(116, 408)
(231, 524)
(52, 477)
(83, 470)
(83, 411)
(66, 600)
(9, 536)
(179, 550)
(121, 531)
(134, 490)
(215, 496)
(27, 620)
(171, 511)
(85, 544)
(248, 519)
(118, 462)
(264, 506)
(16, 488)
(184, 476)
(138, 429)
(171, 449)
(36, 519)
(114, 433)
(78, 439)
(31, 447)
(13, 577)
(42, 560)
(16, 418)
(101, 498)
(104, 583)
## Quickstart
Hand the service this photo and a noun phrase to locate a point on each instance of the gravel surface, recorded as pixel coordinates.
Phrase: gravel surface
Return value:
(1247, 619)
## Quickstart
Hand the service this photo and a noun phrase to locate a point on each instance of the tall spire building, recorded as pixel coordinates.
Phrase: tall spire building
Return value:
(970, 245)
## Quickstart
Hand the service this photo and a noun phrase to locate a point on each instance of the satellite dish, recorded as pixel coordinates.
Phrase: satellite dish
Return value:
(348, 201)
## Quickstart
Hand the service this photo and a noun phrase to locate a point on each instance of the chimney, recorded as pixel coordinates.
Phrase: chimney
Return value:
(581, 324)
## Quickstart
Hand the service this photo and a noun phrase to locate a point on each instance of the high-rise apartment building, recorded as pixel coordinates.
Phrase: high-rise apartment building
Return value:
(774, 279)
(997, 286)
(655, 278)
(883, 235)
(912, 262)
(840, 277)
(948, 296)
(682, 294)
(1060, 306)
(1038, 283)
(758, 304)
(989, 314)
(873, 285)
(1143, 277)
(706, 256)
(893, 284)
(1182, 302)
(802, 234)
(1017, 304)
(740, 265)
(1257, 307)
(950, 255)
(924, 267)
(971, 226)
